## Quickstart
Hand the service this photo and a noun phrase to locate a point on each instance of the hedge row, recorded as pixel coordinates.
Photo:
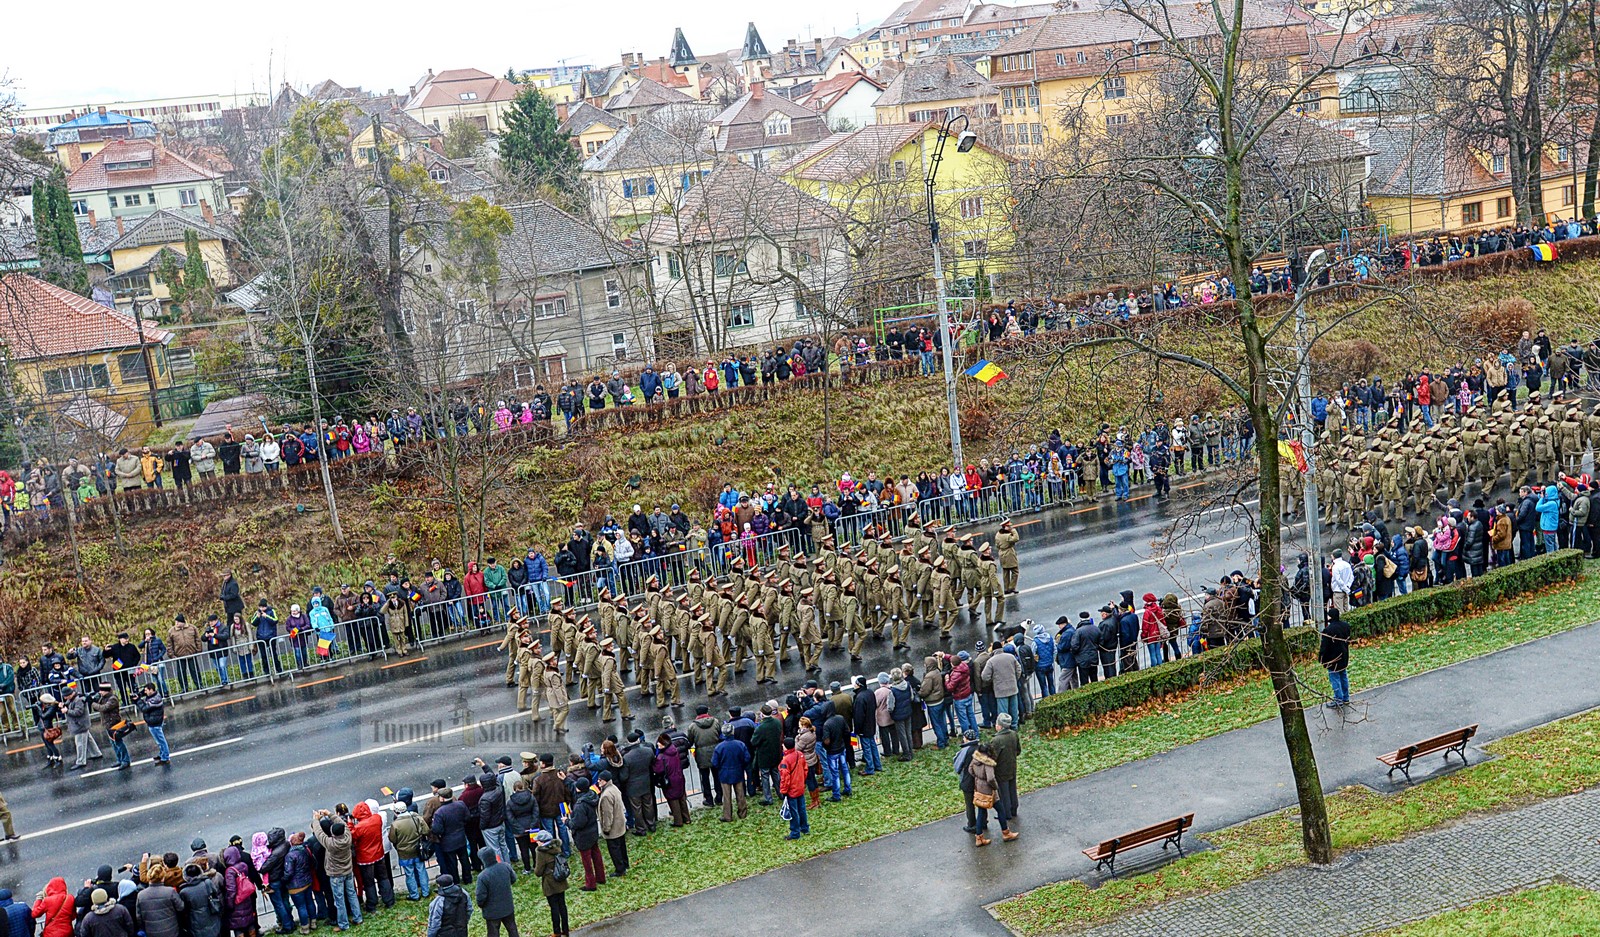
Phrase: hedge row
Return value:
(1075, 707)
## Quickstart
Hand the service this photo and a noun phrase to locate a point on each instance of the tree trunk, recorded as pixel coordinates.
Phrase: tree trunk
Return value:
(322, 452)
(1591, 167)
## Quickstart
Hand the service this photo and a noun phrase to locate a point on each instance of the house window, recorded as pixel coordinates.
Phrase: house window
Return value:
(589, 148)
(80, 207)
(613, 294)
(439, 175)
(1038, 133)
(804, 254)
(1116, 121)
(1569, 194)
(1502, 207)
(1033, 96)
(674, 267)
(899, 169)
(692, 176)
(1472, 213)
(187, 198)
(972, 207)
(1115, 86)
(551, 308)
(619, 345)
(777, 126)
(408, 320)
(469, 95)
(1061, 58)
(1563, 153)
(467, 310)
(78, 377)
(741, 316)
(1497, 163)
(1011, 134)
(131, 365)
(728, 263)
(975, 249)
(113, 200)
(642, 186)
(1082, 56)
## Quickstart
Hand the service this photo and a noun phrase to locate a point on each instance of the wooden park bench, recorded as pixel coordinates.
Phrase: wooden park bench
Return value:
(1167, 833)
(1454, 741)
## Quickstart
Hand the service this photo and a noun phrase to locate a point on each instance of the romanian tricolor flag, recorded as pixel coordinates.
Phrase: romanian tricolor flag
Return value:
(1294, 453)
(985, 372)
(1544, 253)
(324, 647)
(116, 665)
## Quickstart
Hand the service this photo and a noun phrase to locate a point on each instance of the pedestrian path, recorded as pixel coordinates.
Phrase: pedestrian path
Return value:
(1386, 886)
(937, 884)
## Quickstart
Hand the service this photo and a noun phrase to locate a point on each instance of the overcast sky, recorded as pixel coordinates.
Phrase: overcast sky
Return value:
(180, 47)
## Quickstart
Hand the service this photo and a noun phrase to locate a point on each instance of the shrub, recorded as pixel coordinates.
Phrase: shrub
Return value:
(1075, 707)
(1337, 362)
(1497, 324)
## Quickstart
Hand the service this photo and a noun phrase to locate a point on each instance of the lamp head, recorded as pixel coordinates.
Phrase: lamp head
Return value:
(966, 141)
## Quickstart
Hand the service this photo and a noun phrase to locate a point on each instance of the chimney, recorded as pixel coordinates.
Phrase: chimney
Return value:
(757, 90)
(205, 212)
(119, 226)
(92, 222)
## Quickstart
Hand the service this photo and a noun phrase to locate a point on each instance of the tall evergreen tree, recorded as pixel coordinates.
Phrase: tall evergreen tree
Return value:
(56, 232)
(533, 147)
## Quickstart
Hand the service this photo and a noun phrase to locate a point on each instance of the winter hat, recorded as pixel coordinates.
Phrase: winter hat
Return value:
(1003, 720)
(543, 837)
(126, 887)
(1150, 598)
(446, 880)
(197, 844)
(605, 776)
(963, 655)
(99, 897)
(883, 678)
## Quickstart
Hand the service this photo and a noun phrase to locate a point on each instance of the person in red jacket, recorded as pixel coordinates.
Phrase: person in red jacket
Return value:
(1153, 628)
(958, 683)
(792, 785)
(473, 588)
(372, 872)
(55, 906)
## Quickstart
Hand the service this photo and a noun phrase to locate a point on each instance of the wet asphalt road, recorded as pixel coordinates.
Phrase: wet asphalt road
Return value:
(261, 757)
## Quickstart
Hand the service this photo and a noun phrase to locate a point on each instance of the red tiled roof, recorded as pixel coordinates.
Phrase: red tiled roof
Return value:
(447, 87)
(41, 320)
(166, 167)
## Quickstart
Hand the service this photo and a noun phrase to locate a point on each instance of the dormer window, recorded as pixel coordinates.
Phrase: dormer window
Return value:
(469, 95)
(777, 126)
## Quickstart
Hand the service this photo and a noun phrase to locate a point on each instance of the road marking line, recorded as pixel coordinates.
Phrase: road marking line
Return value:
(1151, 562)
(25, 748)
(479, 647)
(1037, 520)
(248, 782)
(230, 702)
(1084, 510)
(402, 663)
(1187, 487)
(151, 761)
(320, 682)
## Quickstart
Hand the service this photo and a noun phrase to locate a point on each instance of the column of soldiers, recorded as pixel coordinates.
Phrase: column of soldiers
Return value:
(836, 599)
(1399, 463)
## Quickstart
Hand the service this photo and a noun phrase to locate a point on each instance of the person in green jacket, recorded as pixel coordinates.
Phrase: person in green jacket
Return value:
(495, 582)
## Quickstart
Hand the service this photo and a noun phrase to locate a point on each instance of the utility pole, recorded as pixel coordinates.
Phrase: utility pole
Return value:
(1308, 434)
(964, 142)
(149, 366)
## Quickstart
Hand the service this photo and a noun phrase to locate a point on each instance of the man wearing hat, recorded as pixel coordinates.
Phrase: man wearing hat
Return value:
(555, 694)
(943, 586)
(1005, 542)
(613, 692)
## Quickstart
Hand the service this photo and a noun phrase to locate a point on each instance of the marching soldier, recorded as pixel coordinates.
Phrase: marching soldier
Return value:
(899, 611)
(989, 586)
(808, 633)
(713, 664)
(613, 692)
(1569, 441)
(760, 634)
(1005, 541)
(666, 675)
(530, 675)
(511, 643)
(944, 597)
(555, 692)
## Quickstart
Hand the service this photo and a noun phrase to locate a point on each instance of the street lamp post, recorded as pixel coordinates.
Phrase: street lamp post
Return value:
(1308, 434)
(964, 141)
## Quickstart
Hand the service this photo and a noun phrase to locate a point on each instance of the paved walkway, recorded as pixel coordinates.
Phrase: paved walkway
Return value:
(1386, 886)
(938, 884)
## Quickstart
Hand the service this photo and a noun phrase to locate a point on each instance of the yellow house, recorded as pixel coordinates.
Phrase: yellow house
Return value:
(643, 168)
(136, 259)
(76, 141)
(1089, 67)
(590, 127)
(74, 358)
(403, 135)
(876, 176)
(1425, 180)
(461, 94)
(935, 89)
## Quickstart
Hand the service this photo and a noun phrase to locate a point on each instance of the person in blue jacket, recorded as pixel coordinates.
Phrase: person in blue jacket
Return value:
(1549, 508)
(538, 570)
(266, 625)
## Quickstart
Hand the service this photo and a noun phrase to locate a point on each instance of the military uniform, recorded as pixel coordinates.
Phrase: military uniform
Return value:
(613, 692)
(808, 633)
(555, 693)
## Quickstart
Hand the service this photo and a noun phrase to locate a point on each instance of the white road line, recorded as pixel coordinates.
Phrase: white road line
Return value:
(246, 782)
(186, 751)
(1135, 565)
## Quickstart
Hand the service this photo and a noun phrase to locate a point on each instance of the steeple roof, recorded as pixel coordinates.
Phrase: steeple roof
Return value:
(754, 48)
(681, 53)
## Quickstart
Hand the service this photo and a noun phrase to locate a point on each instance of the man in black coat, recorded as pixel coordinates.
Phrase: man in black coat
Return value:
(637, 783)
(1334, 655)
(494, 892)
(1085, 648)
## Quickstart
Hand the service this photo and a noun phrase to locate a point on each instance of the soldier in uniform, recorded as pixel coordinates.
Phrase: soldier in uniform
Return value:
(1544, 448)
(760, 634)
(645, 653)
(1005, 541)
(613, 692)
(530, 675)
(515, 626)
(855, 630)
(832, 612)
(1569, 441)
(898, 610)
(623, 632)
(989, 589)
(1389, 488)
(1483, 464)
(667, 691)
(944, 599)
(555, 693)
(807, 632)
(589, 664)
(712, 661)
(552, 624)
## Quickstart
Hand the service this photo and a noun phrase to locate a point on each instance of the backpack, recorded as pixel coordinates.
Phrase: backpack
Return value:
(559, 870)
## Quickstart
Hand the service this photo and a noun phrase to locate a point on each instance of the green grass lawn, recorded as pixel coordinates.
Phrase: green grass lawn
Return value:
(674, 863)
(1551, 911)
(1549, 761)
